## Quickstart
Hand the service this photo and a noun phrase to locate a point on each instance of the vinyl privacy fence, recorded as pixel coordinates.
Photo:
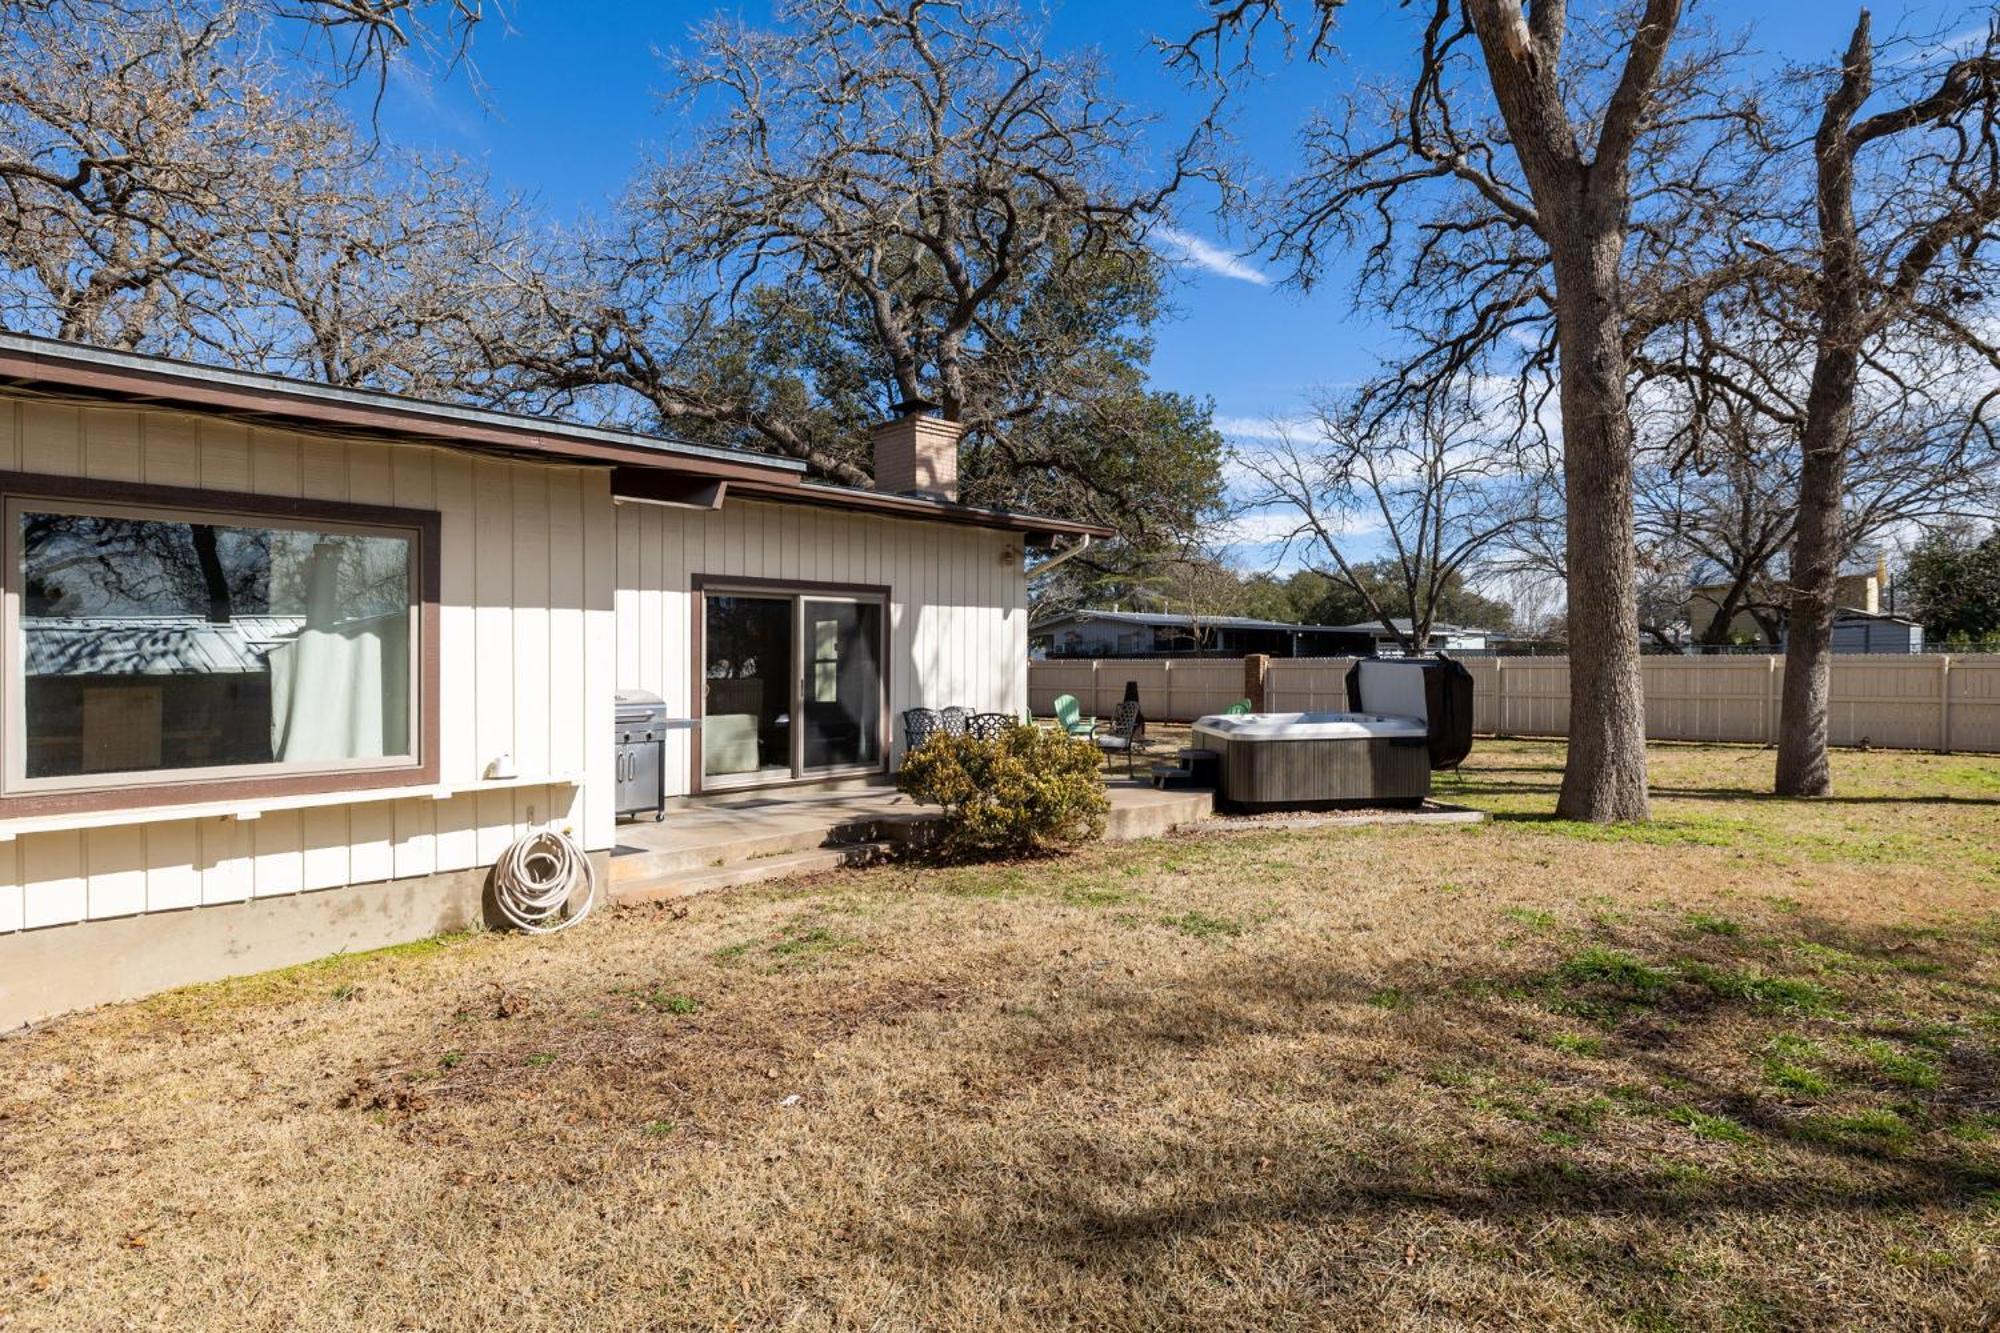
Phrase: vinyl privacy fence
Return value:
(1923, 702)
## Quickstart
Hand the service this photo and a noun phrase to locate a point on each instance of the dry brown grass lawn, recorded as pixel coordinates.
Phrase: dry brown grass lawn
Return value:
(1735, 1069)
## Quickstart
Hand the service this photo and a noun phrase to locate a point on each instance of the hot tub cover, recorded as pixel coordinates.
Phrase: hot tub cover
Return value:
(1311, 726)
(1436, 689)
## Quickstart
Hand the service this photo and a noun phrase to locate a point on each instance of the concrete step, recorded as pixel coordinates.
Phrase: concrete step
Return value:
(760, 871)
(1148, 812)
(651, 864)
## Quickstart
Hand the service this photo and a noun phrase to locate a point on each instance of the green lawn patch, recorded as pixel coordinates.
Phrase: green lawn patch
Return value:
(1614, 970)
(1703, 1125)
(1891, 1064)
(1202, 926)
(1876, 1129)
(1772, 994)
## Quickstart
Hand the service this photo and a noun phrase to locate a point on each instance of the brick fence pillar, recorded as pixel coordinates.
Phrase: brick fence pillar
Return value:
(1254, 668)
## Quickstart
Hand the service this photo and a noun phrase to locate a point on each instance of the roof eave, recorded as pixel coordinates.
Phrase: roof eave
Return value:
(42, 363)
(1034, 527)
(46, 364)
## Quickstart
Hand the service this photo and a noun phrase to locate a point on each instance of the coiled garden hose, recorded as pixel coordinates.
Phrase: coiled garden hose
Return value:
(536, 876)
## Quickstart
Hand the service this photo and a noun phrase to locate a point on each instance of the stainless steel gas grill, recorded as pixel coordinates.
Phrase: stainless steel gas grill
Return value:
(639, 779)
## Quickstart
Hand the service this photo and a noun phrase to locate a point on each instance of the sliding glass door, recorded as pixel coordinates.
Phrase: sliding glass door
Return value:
(792, 685)
(842, 684)
(747, 708)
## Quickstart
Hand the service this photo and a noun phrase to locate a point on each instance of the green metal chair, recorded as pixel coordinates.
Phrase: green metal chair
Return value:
(1069, 717)
(1237, 709)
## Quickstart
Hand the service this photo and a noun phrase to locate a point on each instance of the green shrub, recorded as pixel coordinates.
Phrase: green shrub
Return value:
(1029, 793)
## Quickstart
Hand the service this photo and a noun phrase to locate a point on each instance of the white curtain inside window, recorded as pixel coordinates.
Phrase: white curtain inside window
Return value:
(340, 690)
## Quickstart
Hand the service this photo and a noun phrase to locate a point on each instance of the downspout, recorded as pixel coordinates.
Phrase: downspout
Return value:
(1066, 553)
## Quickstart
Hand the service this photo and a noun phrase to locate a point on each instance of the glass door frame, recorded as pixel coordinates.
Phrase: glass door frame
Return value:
(798, 592)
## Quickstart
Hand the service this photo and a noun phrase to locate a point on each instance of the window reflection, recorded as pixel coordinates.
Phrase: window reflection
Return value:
(172, 644)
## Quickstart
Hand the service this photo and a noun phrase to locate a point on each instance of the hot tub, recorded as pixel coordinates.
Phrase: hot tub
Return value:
(1408, 716)
(1308, 761)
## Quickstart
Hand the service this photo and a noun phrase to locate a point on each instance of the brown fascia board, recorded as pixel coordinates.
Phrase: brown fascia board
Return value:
(149, 381)
(1038, 530)
(51, 364)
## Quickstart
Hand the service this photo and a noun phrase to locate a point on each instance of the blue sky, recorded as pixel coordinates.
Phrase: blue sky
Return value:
(571, 105)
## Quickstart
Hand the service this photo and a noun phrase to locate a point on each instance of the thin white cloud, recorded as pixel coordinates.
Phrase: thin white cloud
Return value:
(1271, 539)
(1266, 428)
(1184, 247)
(1958, 44)
(417, 86)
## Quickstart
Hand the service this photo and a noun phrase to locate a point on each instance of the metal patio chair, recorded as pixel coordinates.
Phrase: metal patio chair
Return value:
(990, 726)
(1127, 735)
(919, 725)
(955, 719)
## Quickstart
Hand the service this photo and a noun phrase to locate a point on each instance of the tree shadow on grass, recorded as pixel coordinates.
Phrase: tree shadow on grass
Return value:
(1694, 1001)
(1754, 794)
(1398, 1135)
(1472, 787)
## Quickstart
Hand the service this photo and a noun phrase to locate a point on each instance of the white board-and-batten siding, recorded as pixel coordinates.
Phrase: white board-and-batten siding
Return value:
(525, 663)
(957, 600)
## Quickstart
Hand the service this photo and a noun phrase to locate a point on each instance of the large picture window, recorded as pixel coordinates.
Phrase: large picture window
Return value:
(171, 643)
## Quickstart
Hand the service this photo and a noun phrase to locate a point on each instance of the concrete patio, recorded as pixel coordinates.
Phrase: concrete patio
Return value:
(720, 842)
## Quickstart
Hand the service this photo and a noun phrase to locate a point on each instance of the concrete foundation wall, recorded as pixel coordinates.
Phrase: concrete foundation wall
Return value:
(44, 973)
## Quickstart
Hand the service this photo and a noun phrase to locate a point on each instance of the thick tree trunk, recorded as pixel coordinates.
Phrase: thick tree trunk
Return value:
(1816, 552)
(1605, 776)
(1582, 209)
(1824, 441)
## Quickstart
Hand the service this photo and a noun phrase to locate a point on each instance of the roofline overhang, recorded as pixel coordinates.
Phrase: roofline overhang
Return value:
(27, 361)
(1038, 531)
(55, 365)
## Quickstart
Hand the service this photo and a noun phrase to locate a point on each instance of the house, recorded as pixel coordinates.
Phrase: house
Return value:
(287, 667)
(1856, 631)
(1156, 634)
(1089, 633)
(1444, 638)
(1861, 587)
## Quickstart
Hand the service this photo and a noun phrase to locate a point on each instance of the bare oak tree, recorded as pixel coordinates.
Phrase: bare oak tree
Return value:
(1507, 189)
(1852, 314)
(170, 182)
(1441, 489)
(1914, 265)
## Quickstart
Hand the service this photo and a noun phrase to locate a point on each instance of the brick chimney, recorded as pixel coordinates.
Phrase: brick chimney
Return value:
(916, 453)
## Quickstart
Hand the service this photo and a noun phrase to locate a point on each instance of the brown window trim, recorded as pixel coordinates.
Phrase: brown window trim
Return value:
(428, 525)
(698, 586)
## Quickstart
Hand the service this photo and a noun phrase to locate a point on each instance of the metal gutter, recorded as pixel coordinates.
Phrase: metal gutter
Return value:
(1070, 552)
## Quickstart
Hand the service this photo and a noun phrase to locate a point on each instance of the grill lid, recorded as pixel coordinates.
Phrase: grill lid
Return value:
(639, 706)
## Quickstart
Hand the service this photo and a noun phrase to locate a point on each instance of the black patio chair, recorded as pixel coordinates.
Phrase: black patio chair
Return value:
(990, 726)
(955, 719)
(1127, 735)
(919, 725)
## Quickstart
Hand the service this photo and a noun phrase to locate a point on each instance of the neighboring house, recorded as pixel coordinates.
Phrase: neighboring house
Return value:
(1860, 625)
(1160, 634)
(1860, 588)
(268, 642)
(1859, 632)
(1444, 638)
